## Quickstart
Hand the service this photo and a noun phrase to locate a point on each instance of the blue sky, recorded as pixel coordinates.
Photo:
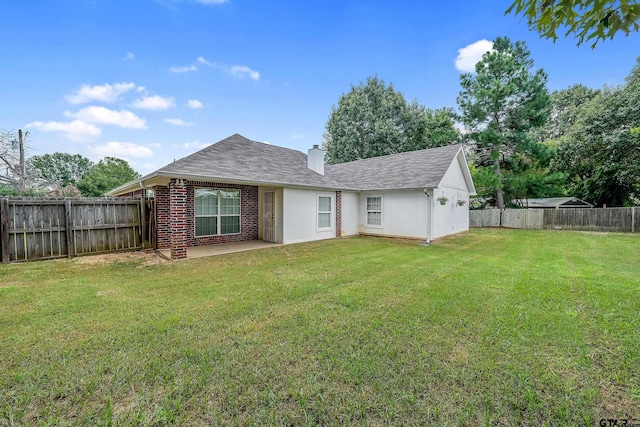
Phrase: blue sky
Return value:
(155, 80)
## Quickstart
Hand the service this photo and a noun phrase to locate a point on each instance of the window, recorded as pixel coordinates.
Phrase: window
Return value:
(324, 212)
(217, 211)
(374, 210)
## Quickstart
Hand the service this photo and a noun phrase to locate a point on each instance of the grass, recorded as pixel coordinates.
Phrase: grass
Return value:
(498, 327)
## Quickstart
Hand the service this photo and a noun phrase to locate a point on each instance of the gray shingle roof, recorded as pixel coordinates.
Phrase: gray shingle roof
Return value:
(414, 169)
(555, 202)
(239, 158)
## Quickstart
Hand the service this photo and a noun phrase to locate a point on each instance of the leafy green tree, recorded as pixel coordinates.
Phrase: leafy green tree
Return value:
(373, 120)
(6, 190)
(601, 151)
(500, 103)
(566, 105)
(106, 175)
(60, 169)
(529, 175)
(586, 19)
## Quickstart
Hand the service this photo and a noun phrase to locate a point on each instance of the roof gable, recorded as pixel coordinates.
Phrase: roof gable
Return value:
(413, 169)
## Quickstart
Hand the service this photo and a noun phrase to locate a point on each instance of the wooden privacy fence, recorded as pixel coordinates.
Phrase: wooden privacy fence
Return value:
(625, 220)
(33, 229)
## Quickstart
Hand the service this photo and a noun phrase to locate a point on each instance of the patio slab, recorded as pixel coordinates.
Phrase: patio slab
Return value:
(222, 248)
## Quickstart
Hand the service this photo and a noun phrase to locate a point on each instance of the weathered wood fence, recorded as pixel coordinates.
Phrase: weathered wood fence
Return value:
(625, 220)
(32, 229)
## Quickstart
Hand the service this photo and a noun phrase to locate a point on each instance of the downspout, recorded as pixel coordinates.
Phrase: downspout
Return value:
(430, 220)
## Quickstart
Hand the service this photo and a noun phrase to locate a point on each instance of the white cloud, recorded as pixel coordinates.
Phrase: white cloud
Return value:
(125, 150)
(242, 71)
(178, 122)
(195, 104)
(154, 103)
(105, 93)
(130, 55)
(101, 115)
(183, 69)
(76, 130)
(197, 145)
(471, 54)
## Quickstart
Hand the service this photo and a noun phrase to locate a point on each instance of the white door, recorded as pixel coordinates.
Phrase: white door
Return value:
(269, 222)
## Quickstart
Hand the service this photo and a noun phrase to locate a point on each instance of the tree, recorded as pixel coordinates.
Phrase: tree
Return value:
(586, 19)
(373, 120)
(566, 105)
(59, 169)
(601, 151)
(12, 160)
(106, 175)
(500, 103)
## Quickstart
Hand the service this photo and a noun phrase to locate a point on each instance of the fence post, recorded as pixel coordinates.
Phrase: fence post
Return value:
(68, 227)
(4, 229)
(143, 222)
(633, 219)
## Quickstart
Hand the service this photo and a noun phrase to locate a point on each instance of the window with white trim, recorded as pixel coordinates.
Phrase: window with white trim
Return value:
(374, 210)
(216, 211)
(324, 212)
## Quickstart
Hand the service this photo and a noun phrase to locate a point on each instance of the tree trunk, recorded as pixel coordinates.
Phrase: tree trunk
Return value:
(499, 193)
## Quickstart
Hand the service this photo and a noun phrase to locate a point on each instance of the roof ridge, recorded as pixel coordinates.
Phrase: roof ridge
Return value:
(404, 153)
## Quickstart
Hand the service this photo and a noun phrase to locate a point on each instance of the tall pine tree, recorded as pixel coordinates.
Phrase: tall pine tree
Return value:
(500, 103)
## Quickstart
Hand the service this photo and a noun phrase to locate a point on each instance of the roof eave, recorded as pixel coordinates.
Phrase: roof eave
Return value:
(143, 182)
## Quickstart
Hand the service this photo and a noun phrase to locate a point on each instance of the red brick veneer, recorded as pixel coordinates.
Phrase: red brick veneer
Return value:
(175, 216)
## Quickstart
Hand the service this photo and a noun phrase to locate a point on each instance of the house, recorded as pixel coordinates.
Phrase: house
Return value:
(238, 190)
(554, 203)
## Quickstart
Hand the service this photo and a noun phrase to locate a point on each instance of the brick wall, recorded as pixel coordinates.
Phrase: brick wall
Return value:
(163, 233)
(179, 221)
(248, 214)
(177, 231)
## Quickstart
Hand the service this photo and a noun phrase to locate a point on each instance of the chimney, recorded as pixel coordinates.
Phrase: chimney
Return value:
(315, 160)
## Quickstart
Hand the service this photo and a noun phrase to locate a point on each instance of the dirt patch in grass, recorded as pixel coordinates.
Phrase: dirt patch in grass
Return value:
(143, 258)
(11, 284)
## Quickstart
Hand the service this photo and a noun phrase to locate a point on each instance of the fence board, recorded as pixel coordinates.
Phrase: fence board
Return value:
(53, 228)
(484, 218)
(4, 230)
(625, 220)
(522, 218)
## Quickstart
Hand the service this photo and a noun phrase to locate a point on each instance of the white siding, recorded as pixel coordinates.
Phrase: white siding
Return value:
(405, 213)
(451, 218)
(350, 209)
(300, 215)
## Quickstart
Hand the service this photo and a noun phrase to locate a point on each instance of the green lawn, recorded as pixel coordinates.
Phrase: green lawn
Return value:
(497, 327)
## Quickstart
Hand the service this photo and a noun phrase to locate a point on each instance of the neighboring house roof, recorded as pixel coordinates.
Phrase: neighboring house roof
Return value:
(413, 169)
(241, 160)
(555, 202)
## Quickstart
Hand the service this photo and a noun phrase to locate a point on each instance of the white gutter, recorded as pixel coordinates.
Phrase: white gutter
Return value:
(430, 213)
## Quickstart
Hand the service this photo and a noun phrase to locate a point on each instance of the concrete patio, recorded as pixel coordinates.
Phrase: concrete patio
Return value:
(222, 248)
